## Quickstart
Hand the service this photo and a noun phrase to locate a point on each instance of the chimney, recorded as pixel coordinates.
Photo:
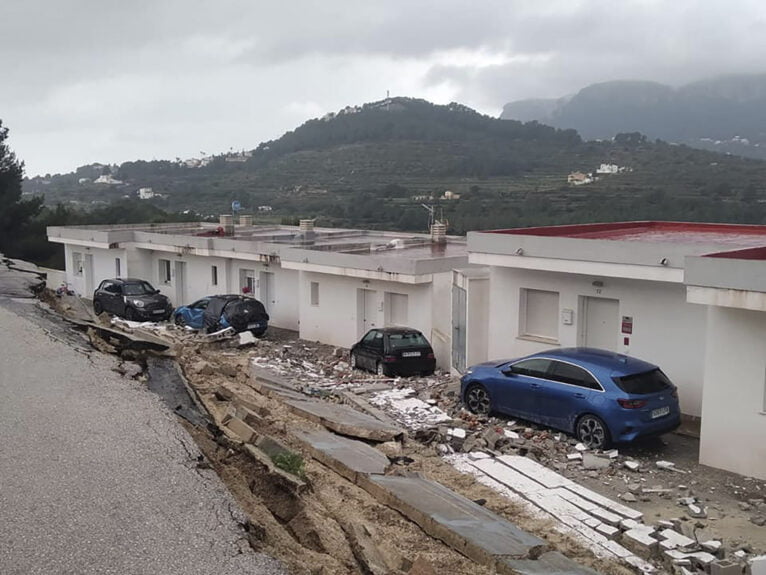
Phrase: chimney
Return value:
(227, 223)
(306, 226)
(438, 233)
(245, 220)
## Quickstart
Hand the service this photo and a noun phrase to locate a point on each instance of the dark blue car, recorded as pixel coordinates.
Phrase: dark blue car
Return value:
(600, 396)
(217, 312)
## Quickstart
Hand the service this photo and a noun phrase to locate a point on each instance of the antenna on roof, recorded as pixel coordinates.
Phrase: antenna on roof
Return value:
(431, 218)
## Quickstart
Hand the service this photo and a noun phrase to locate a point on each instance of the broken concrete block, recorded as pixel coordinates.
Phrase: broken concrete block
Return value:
(711, 546)
(581, 447)
(608, 530)
(628, 524)
(641, 541)
(703, 559)
(476, 455)
(758, 565)
(421, 566)
(612, 453)
(696, 511)
(320, 533)
(511, 434)
(458, 432)
(629, 497)
(591, 461)
(241, 429)
(246, 338)
(726, 567)
(665, 464)
(674, 540)
(574, 456)
(632, 465)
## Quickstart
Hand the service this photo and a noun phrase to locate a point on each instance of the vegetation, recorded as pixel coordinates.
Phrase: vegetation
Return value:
(375, 167)
(290, 462)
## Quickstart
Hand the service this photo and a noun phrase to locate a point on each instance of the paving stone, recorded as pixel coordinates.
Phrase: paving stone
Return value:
(241, 429)
(345, 420)
(758, 565)
(640, 541)
(592, 461)
(346, 456)
(673, 540)
(726, 567)
(536, 471)
(551, 563)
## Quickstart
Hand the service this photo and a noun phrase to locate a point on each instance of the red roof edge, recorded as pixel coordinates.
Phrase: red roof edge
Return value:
(612, 229)
(745, 254)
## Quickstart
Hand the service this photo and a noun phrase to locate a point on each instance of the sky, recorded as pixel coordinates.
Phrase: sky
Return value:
(111, 81)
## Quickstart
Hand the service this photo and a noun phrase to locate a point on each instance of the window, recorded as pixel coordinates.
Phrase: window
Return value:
(164, 271)
(214, 275)
(539, 314)
(573, 375)
(396, 308)
(370, 337)
(400, 340)
(314, 293)
(537, 367)
(77, 263)
(117, 267)
(643, 383)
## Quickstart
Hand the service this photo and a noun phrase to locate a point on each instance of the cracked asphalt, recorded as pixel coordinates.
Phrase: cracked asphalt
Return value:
(96, 475)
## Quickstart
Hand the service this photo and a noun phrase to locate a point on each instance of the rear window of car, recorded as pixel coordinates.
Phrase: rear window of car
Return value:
(642, 383)
(400, 340)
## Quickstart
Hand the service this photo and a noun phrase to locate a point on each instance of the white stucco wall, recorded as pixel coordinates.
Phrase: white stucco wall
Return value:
(335, 320)
(103, 266)
(667, 330)
(477, 319)
(733, 418)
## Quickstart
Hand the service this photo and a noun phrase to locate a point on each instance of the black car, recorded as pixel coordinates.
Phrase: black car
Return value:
(216, 312)
(394, 351)
(133, 299)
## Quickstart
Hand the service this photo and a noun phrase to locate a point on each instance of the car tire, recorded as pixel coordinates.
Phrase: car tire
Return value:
(477, 399)
(593, 432)
(179, 320)
(381, 369)
(130, 314)
(98, 309)
(352, 361)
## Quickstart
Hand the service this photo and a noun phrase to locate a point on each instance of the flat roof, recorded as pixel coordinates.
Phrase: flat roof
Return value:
(735, 235)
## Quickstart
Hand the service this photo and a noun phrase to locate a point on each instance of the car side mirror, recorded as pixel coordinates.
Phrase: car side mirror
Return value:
(508, 372)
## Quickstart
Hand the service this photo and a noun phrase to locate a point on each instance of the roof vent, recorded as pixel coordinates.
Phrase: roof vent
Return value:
(227, 223)
(245, 220)
(306, 226)
(438, 233)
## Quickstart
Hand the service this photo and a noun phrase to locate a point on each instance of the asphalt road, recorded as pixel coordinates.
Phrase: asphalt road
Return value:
(96, 475)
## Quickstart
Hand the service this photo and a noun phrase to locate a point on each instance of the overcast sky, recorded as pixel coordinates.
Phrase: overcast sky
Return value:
(86, 81)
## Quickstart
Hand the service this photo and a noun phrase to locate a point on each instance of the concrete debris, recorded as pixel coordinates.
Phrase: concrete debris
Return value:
(696, 511)
(592, 461)
(574, 456)
(629, 497)
(246, 338)
(457, 432)
(668, 466)
(581, 447)
(632, 465)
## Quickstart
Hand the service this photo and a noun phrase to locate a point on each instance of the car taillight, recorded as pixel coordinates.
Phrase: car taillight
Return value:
(389, 358)
(430, 356)
(632, 403)
(674, 394)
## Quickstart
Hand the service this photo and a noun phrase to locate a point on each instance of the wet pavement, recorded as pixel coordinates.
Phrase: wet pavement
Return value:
(96, 474)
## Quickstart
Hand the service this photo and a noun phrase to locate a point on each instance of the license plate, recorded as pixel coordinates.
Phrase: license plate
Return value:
(253, 325)
(410, 354)
(158, 311)
(660, 411)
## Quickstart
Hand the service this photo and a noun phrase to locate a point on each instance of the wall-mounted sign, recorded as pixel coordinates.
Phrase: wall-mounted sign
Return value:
(627, 324)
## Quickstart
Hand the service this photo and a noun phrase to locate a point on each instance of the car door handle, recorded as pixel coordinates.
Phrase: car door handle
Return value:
(534, 385)
(579, 395)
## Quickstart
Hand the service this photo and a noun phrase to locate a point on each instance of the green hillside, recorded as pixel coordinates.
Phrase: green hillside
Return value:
(375, 165)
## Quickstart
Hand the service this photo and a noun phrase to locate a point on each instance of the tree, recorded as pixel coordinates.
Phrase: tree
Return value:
(15, 213)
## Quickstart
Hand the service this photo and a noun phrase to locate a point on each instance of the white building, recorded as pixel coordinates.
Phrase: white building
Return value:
(683, 296)
(107, 179)
(608, 169)
(331, 285)
(145, 193)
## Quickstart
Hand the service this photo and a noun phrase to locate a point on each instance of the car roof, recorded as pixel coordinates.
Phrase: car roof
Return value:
(593, 358)
(127, 280)
(397, 330)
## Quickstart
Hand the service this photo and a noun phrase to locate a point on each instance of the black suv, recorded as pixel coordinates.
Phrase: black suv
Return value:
(131, 298)
(394, 351)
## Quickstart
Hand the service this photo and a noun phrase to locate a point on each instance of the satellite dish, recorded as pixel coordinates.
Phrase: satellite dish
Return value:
(236, 206)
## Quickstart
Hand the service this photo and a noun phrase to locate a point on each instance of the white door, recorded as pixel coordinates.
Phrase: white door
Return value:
(180, 273)
(89, 275)
(366, 310)
(600, 323)
(266, 290)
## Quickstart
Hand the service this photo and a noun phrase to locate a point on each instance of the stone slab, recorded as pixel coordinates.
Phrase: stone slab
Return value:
(605, 502)
(467, 527)
(366, 407)
(534, 470)
(508, 476)
(551, 563)
(345, 420)
(347, 457)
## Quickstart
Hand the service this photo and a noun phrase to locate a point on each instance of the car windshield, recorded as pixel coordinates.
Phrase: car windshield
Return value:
(138, 288)
(400, 340)
(643, 383)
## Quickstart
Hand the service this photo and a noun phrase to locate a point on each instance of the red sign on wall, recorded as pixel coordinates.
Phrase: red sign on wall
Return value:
(627, 324)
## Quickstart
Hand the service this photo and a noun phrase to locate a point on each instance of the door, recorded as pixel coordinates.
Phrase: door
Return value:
(366, 310)
(370, 350)
(180, 282)
(600, 323)
(266, 290)
(517, 388)
(89, 281)
(568, 392)
(458, 328)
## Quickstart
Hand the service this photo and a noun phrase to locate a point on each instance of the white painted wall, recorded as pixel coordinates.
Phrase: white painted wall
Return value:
(733, 418)
(103, 267)
(477, 320)
(667, 330)
(335, 320)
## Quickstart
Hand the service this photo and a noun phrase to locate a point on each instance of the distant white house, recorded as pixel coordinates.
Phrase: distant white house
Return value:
(608, 169)
(83, 180)
(107, 179)
(145, 193)
(264, 208)
(450, 195)
(578, 178)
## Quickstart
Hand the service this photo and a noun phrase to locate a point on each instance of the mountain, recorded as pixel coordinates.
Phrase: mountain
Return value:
(376, 165)
(723, 114)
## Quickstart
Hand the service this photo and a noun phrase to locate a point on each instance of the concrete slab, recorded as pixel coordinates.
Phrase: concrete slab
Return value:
(365, 406)
(551, 563)
(508, 476)
(605, 502)
(347, 457)
(345, 420)
(467, 527)
(534, 470)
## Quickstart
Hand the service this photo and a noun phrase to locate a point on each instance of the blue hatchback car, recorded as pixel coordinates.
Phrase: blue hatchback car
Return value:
(221, 311)
(600, 396)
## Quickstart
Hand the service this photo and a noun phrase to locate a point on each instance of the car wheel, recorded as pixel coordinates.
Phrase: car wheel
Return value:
(179, 320)
(381, 369)
(130, 314)
(477, 399)
(593, 432)
(353, 361)
(97, 307)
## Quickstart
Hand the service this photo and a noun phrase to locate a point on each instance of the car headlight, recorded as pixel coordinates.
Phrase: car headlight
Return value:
(137, 303)
(468, 371)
